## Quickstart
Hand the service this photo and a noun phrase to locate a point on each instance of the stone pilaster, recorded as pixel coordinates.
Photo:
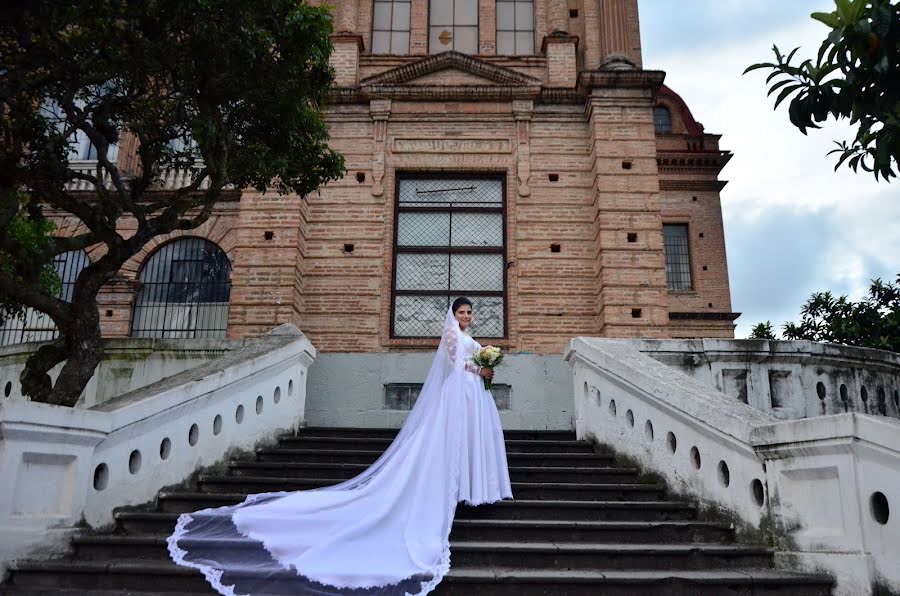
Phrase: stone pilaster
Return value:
(562, 60)
(348, 16)
(380, 110)
(632, 299)
(345, 59)
(620, 47)
(522, 111)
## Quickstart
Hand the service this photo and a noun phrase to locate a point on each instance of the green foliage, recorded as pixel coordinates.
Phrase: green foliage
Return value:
(762, 331)
(228, 89)
(873, 322)
(32, 232)
(856, 75)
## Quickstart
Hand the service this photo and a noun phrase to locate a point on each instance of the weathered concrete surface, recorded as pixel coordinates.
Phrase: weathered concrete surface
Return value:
(789, 379)
(348, 390)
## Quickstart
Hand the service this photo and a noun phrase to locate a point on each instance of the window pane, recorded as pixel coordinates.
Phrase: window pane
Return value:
(678, 257)
(423, 229)
(422, 271)
(441, 12)
(487, 320)
(401, 17)
(476, 273)
(505, 16)
(524, 43)
(382, 16)
(420, 316)
(381, 42)
(466, 40)
(447, 192)
(400, 43)
(477, 229)
(525, 16)
(466, 12)
(662, 120)
(440, 39)
(506, 43)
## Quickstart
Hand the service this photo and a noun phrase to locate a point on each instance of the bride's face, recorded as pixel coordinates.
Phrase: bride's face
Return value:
(463, 314)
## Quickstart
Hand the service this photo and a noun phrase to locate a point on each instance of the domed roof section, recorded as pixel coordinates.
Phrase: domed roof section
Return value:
(683, 121)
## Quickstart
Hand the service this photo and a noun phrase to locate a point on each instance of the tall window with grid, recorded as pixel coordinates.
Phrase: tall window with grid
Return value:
(449, 242)
(185, 292)
(35, 325)
(678, 257)
(390, 27)
(453, 25)
(515, 27)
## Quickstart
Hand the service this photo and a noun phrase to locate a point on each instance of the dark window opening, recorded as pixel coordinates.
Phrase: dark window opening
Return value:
(678, 257)
(662, 119)
(390, 27)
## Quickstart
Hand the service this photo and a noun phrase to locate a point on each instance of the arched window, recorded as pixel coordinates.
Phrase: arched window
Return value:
(35, 325)
(662, 119)
(185, 290)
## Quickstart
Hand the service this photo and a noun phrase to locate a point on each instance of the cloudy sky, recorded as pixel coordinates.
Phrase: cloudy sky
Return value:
(792, 225)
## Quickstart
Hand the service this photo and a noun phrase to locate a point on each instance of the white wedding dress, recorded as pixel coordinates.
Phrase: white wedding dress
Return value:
(386, 531)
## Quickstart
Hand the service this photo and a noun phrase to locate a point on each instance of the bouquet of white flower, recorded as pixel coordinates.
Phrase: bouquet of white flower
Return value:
(488, 357)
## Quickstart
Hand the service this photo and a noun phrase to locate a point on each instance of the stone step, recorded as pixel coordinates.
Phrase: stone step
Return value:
(369, 456)
(575, 491)
(380, 444)
(561, 555)
(155, 523)
(517, 473)
(554, 509)
(165, 578)
(469, 554)
(668, 532)
(390, 433)
(564, 582)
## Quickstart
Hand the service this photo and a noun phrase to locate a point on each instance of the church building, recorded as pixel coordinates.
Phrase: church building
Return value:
(513, 151)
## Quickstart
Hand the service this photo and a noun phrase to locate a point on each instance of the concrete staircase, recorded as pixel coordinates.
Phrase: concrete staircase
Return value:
(580, 524)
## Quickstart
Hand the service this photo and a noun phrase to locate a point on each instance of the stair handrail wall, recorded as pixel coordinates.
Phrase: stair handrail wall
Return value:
(821, 489)
(66, 468)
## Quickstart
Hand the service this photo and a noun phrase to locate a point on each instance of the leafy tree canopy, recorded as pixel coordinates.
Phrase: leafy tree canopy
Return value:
(230, 89)
(873, 322)
(856, 75)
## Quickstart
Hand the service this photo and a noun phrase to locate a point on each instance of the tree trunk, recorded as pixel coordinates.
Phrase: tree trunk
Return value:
(35, 379)
(85, 349)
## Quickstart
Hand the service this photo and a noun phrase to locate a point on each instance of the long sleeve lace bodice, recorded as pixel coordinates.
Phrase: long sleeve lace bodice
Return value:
(460, 348)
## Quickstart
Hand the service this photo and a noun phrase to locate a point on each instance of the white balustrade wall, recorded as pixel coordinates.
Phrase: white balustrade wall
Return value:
(788, 379)
(62, 467)
(822, 487)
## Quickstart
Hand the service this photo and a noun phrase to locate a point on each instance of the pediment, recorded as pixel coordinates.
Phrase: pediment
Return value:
(450, 69)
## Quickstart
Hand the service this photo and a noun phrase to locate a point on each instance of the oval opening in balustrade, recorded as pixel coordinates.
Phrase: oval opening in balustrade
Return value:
(290, 387)
(259, 404)
(879, 508)
(134, 462)
(277, 396)
(194, 434)
(101, 477)
(217, 424)
(629, 418)
(671, 442)
(820, 390)
(648, 431)
(695, 458)
(239, 414)
(612, 407)
(757, 492)
(724, 474)
(165, 448)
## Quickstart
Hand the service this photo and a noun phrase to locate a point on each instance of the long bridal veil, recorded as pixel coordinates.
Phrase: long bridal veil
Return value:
(385, 531)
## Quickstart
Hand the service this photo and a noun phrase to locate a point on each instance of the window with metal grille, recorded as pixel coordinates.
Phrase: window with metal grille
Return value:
(662, 119)
(35, 325)
(390, 27)
(678, 257)
(185, 291)
(449, 242)
(515, 27)
(453, 25)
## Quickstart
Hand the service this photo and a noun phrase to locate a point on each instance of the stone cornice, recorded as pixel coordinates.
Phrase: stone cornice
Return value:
(692, 185)
(692, 162)
(640, 79)
(704, 316)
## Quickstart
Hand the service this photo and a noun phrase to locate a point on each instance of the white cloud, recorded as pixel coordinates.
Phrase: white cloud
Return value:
(845, 227)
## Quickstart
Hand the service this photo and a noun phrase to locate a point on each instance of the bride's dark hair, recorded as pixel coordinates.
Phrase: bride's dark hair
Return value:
(459, 302)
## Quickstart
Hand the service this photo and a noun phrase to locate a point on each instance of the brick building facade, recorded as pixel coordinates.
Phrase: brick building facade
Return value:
(535, 165)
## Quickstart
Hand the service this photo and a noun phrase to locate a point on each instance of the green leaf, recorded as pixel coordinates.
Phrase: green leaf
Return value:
(829, 18)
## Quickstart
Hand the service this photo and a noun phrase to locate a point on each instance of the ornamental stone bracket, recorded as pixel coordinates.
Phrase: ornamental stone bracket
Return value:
(380, 109)
(522, 111)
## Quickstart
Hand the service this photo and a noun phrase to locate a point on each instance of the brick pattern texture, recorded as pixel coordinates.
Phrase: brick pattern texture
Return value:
(589, 184)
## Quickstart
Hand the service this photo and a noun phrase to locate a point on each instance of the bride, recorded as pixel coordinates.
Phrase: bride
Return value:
(387, 530)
